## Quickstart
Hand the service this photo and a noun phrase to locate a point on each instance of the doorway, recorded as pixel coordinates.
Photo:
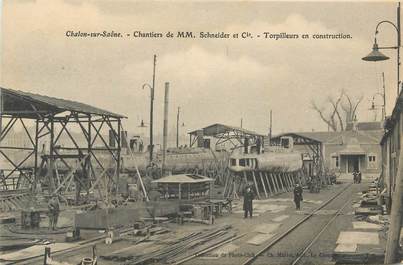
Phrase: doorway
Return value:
(353, 164)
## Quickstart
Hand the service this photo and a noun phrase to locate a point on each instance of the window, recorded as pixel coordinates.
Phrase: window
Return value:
(336, 161)
(247, 162)
(372, 163)
(233, 162)
(242, 162)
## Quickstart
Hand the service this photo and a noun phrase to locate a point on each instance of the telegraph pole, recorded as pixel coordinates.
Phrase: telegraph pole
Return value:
(384, 98)
(165, 130)
(151, 112)
(177, 128)
(270, 128)
(152, 88)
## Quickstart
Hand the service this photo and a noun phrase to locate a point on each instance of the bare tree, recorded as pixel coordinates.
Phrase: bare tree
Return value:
(338, 112)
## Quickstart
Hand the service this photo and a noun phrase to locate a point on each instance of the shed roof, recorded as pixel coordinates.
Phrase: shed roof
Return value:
(218, 128)
(363, 137)
(183, 178)
(19, 103)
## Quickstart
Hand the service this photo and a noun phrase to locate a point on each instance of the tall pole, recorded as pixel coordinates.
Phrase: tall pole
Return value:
(398, 48)
(270, 128)
(384, 97)
(1, 111)
(177, 128)
(151, 111)
(392, 244)
(165, 132)
(241, 122)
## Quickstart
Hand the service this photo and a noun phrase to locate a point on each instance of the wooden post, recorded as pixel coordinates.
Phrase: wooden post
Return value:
(245, 178)
(268, 183)
(281, 184)
(256, 186)
(290, 181)
(284, 178)
(392, 244)
(274, 179)
(264, 187)
(47, 254)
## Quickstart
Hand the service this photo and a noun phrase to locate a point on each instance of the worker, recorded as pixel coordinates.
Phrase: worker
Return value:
(359, 176)
(298, 196)
(355, 176)
(54, 210)
(248, 197)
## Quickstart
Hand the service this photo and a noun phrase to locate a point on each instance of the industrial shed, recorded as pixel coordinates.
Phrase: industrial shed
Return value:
(52, 119)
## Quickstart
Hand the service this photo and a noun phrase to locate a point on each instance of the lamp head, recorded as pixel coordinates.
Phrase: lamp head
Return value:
(375, 55)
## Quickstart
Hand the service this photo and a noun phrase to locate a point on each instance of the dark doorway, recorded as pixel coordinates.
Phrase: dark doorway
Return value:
(353, 164)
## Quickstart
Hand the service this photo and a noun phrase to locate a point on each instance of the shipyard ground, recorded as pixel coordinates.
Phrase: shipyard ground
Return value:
(272, 217)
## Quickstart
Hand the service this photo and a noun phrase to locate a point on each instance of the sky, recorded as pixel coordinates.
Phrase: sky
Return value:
(212, 80)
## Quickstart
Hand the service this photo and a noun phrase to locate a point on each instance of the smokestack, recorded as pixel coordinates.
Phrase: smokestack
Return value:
(165, 132)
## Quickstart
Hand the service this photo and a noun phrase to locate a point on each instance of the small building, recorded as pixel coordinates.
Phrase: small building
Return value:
(347, 151)
(390, 145)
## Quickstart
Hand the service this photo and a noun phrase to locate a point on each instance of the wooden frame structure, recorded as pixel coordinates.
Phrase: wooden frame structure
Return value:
(53, 118)
(224, 133)
(314, 146)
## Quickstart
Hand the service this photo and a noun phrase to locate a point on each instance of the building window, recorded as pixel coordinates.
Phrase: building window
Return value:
(372, 161)
(233, 162)
(242, 162)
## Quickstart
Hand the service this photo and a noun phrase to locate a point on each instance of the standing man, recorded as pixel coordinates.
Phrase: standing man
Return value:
(54, 209)
(298, 196)
(248, 197)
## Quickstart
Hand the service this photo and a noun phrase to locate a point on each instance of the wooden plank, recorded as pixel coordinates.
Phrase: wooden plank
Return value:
(284, 178)
(281, 182)
(256, 186)
(245, 178)
(275, 184)
(289, 181)
(268, 183)
(264, 186)
(292, 178)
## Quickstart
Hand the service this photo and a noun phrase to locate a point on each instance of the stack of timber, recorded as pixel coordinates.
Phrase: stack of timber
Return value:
(181, 249)
(372, 256)
(369, 204)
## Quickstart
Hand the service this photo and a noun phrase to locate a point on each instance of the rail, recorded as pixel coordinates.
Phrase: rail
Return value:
(283, 235)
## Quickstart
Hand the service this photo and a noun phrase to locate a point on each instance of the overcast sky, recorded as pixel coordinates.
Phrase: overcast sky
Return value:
(215, 80)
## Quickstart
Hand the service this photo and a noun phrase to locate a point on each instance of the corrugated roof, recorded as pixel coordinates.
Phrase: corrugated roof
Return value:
(52, 103)
(218, 128)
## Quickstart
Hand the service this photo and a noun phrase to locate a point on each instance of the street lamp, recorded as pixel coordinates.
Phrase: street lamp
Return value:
(376, 55)
(151, 109)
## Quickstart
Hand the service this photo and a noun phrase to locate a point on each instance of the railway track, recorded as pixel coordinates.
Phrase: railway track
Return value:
(261, 258)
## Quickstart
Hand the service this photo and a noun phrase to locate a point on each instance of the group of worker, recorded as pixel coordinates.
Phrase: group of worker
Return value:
(357, 176)
(249, 196)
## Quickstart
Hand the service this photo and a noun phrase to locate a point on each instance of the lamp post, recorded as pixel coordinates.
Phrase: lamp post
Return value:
(392, 244)
(376, 55)
(151, 108)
